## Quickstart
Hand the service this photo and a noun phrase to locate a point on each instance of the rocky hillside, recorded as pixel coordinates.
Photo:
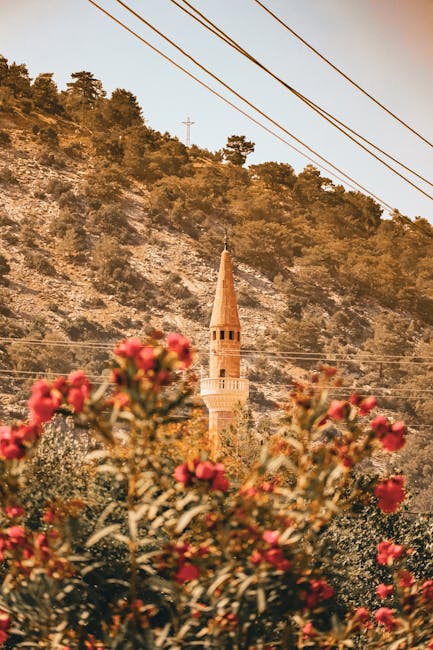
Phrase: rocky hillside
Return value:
(90, 264)
(109, 227)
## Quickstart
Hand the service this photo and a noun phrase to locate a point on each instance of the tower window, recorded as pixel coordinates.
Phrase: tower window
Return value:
(222, 335)
(214, 335)
(222, 372)
(231, 335)
(239, 336)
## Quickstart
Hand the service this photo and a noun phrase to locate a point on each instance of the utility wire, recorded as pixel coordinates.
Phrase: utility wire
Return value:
(245, 352)
(328, 117)
(98, 380)
(199, 17)
(343, 74)
(350, 181)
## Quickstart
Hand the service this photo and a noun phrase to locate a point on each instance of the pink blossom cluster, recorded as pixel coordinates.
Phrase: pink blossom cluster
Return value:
(392, 436)
(15, 440)
(145, 356)
(339, 409)
(319, 590)
(388, 552)
(205, 471)
(183, 556)
(14, 539)
(270, 552)
(47, 398)
(390, 493)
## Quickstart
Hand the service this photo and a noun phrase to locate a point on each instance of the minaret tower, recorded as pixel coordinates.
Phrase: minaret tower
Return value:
(224, 389)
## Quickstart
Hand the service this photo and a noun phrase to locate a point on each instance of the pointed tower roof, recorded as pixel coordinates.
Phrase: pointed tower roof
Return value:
(225, 307)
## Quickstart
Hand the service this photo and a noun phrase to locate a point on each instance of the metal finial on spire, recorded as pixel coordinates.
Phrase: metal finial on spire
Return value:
(226, 240)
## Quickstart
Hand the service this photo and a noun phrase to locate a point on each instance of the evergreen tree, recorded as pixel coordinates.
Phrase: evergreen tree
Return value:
(83, 93)
(45, 94)
(237, 149)
(123, 109)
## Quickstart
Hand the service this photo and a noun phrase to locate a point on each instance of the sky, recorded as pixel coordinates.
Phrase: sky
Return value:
(386, 46)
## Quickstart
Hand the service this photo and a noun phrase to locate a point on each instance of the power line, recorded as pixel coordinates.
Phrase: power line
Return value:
(245, 352)
(328, 117)
(349, 180)
(343, 74)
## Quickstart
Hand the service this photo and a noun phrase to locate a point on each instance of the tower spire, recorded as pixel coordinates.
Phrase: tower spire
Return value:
(224, 388)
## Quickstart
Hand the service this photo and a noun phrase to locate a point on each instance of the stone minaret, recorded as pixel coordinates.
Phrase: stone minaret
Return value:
(224, 389)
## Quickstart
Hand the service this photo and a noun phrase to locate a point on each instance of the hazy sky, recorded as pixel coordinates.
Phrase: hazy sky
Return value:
(385, 45)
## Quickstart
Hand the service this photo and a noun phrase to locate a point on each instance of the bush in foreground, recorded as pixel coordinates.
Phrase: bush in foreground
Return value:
(141, 550)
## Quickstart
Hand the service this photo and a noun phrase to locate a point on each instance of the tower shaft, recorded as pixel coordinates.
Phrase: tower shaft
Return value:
(224, 389)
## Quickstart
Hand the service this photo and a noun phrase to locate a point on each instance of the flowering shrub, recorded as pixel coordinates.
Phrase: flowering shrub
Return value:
(159, 551)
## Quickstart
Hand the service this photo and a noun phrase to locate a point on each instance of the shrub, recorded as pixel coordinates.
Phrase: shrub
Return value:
(74, 150)
(105, 185)
(49, 136)
(5, 138)
(155, 544)
(4, 268)
(37, 261)
(7, 177)
(246, 297)
(111, 220)
(57, 186)
(49, 159)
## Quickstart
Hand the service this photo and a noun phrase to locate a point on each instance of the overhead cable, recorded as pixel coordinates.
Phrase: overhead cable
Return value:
(361, 357)
(328, 117)
(348, 179)
(343, 74)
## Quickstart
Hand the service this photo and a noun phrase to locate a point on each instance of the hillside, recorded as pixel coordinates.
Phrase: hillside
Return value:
(109, 227)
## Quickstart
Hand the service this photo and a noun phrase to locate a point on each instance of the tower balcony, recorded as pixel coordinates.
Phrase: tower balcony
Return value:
(225, 386)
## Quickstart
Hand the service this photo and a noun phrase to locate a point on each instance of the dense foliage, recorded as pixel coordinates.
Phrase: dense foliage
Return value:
(141, 550)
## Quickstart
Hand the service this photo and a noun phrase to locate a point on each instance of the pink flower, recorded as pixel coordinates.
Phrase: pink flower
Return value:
(10, 446)
(380, 424)
(14, 511)
(256, 557)
(220, 482)
(182, 474)
(129, 348)
(393, 440)
(79, 390)
(383, 591)
(319, 590)
(271, 537)
(205, 470)
(367, 405)
(145, 359)
(388, 552)
(182, 347)
(338, 409)
(384, 616)
(186, 572)
(43, 402)
(16, 535)
(308, 631)
(427, 590)
(390, 494)
(362, 616)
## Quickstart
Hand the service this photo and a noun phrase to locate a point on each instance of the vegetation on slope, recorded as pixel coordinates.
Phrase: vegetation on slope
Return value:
(96, 203)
